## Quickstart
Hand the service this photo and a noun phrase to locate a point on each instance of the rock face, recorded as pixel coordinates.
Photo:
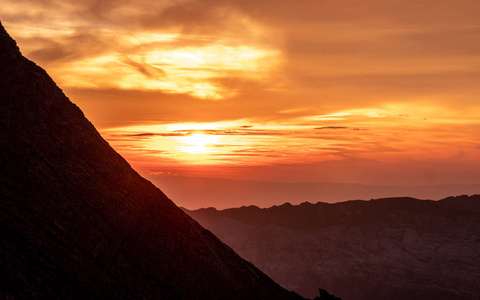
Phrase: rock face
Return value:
(324, 295)
(77, 222)
(398, 248)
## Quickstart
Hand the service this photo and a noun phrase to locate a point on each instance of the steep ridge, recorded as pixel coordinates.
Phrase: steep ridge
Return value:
(393, 248)
(77, 222)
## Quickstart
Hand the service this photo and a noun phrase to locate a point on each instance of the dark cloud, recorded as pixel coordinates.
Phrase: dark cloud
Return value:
(235, 131)
(331, 127)
(146, 69)
(150, 134)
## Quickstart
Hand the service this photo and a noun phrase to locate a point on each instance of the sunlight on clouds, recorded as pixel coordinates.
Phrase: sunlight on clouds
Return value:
(28, 31)
(166, 60)
(142, 38)
(193, 126)
(391, 134)
(220, 57)
(190, 69)
(332, 117)
(239, 143)
(198, 143)
(187, 70)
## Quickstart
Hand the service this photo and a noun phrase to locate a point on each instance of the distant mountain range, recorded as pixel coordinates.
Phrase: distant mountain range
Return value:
(394, 248)
(77, 222)
(195, 192)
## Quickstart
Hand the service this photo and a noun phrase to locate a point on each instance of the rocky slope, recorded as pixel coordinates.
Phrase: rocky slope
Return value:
(77, 222)
(398, 248)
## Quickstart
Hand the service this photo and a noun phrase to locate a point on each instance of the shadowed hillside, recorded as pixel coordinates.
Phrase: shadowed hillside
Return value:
(396, 248)
(77, 222)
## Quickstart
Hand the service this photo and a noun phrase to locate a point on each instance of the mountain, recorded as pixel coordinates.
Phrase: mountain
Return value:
(393, 248)
(77, 222)
(191, 192)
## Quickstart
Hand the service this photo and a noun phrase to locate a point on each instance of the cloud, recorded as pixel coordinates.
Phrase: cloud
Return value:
(331, 127)
(149, 134)
(324, 51)
(146, 69)
(187, 47)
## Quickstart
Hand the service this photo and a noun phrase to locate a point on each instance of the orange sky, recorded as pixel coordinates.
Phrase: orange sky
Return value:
(384, 92)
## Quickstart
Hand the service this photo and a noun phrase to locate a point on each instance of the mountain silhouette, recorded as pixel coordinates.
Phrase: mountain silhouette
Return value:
(193, 192)
(393, 248)
(77, 222)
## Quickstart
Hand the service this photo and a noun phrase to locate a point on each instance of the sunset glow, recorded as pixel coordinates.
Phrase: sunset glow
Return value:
(314, 91)
(188, 70)
(198, 143)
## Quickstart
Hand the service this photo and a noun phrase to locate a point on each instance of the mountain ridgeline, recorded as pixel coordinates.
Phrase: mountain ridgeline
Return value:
(77, 222)
(392, 248)
(192, 192)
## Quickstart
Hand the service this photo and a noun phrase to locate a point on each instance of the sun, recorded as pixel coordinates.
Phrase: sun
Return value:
(198, 143)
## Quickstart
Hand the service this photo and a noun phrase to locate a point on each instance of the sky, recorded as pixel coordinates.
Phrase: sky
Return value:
(377, 92)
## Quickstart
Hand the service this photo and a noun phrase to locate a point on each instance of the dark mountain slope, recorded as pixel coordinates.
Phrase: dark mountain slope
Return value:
(396, 248)
(77, 222)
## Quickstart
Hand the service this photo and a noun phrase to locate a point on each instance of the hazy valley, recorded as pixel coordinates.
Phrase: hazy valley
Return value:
(398, 248)
(192, 193)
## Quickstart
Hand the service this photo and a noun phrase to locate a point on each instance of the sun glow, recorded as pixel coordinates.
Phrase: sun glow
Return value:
(386, 134)
(198, 143)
